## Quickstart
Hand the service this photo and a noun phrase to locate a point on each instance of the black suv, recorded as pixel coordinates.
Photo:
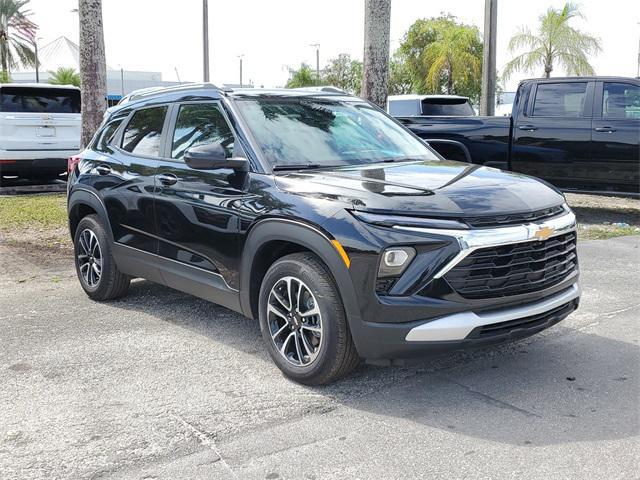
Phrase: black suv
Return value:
(324, 218)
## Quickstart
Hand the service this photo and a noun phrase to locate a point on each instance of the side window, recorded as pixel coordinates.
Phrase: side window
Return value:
(106, 136)
(620, 100)
(200, 124)
(560, 99)
(143, 133)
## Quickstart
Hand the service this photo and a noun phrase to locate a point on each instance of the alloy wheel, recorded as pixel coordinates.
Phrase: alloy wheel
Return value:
(295, 321)
(89, 258)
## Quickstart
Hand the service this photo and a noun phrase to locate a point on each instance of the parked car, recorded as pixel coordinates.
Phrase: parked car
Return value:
(579, 134)
(39, 129)
(430, 106)
(316, 213)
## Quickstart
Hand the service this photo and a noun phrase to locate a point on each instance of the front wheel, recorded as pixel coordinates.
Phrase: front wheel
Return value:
(303, 322)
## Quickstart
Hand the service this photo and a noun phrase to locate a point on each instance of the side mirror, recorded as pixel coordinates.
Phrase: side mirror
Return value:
(212, 156)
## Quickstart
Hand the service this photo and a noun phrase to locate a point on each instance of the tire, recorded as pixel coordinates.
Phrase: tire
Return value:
(104, 281)
(320, 356)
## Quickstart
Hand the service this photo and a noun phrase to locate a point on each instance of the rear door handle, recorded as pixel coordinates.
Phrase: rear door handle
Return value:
(103, 169)
(605, 129)
(167, 179)
(527, 128)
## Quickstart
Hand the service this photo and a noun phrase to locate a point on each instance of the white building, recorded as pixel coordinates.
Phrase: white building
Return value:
(62, 52)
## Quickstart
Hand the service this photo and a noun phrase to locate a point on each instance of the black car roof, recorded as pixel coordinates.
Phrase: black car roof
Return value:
(208, 91)
(586, 79)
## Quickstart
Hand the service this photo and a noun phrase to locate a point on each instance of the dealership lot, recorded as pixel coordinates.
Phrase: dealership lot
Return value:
(161, 385)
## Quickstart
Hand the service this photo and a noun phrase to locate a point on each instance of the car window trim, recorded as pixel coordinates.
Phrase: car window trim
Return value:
(118, 141)
(586, 108)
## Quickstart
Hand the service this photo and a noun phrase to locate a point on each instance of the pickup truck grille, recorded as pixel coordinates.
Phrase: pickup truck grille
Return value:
(514, 269)
(514, 218)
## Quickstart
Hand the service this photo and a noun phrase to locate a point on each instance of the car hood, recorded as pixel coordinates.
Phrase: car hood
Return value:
(431, 187)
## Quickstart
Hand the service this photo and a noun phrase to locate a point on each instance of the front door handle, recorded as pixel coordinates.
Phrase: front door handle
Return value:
(527, 128)
(605, 129)
(103, 169)
(167, 179)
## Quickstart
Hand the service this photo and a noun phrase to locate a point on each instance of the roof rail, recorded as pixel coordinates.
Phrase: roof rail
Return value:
(325, 88)
(150, 92)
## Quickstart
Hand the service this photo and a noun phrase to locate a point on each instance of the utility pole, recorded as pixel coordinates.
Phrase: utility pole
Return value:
(240, 57)
(488, 91)
(35, 48)
(317, 45)
(122, 81)
(205, 40)
(638, 72)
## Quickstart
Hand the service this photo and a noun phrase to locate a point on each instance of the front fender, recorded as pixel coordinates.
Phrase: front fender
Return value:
(311, 238)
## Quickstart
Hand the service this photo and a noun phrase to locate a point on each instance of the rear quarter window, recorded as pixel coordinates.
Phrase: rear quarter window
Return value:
(39, 100)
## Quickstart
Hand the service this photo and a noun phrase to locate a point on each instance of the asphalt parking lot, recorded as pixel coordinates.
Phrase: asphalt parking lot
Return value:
(161, 385)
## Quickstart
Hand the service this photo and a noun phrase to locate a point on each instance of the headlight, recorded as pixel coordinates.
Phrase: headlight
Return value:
(395, 260)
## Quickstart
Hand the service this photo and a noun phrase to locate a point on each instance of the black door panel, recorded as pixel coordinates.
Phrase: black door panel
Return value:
(551, 139)
(616, 137)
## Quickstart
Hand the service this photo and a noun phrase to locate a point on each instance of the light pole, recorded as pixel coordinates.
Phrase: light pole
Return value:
(122, 81)
(317, 45)
(35, 50)
(205, 39)
(240, 58)
(488, 90)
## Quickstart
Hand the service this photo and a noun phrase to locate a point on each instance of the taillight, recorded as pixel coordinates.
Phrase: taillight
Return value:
(72, 163)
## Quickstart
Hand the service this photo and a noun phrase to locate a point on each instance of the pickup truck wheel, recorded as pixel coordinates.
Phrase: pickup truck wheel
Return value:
(97, 271)
(303, 322)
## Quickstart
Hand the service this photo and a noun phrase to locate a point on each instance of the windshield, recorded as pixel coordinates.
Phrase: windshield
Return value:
(324, 132)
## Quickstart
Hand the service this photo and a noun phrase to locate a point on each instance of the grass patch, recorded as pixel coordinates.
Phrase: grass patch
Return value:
(598, 232)
(48, 211)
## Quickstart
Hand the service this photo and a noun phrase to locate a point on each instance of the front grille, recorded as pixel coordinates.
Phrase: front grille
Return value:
(514, 218)
(514, 269)
(532, 322)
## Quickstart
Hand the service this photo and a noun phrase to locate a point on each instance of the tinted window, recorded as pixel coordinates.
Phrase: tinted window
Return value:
(560, 99)
(143, 133)
(199, 125)
(106, 135)
(327, 132)
(457, 107)
(39, 100)
(620, 100)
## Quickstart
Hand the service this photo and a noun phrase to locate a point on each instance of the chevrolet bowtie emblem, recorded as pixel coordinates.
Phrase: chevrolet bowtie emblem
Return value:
(544, 233)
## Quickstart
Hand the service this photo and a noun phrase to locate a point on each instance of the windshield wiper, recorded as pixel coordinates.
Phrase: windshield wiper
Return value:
(293, 166)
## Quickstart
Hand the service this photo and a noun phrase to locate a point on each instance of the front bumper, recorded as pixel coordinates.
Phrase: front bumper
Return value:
(465, 330)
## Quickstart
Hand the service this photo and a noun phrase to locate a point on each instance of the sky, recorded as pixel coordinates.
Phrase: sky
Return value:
(273, 35)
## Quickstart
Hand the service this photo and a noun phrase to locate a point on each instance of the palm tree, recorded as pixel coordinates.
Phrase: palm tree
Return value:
(453, 55)
(17, 34)
(64, 76)
(375, 75)
(303, 77)
(555, 42)
(93, 68)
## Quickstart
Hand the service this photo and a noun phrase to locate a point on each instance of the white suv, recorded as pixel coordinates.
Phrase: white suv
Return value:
(39, 129)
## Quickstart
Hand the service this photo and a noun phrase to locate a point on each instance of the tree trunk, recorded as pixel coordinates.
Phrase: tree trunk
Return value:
(375, 78)
(93, 75)
(450, 80)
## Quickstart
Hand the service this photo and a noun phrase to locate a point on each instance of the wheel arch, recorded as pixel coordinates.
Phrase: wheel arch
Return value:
(271, 239)
(85, 202)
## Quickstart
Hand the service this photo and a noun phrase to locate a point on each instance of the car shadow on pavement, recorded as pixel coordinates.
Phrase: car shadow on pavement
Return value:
(561, 386)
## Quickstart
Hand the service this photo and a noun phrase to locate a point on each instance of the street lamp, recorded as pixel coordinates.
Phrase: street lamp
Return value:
(240, 57)
(317, 45)
(205, 39)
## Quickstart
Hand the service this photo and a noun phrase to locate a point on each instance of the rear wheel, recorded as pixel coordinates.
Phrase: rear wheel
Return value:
(95, 266)
(303, 322)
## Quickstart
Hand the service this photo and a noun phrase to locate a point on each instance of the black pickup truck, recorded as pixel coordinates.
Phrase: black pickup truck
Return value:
(580, 133)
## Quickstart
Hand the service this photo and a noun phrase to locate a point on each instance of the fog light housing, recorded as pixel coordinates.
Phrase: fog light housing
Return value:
(395, 260)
